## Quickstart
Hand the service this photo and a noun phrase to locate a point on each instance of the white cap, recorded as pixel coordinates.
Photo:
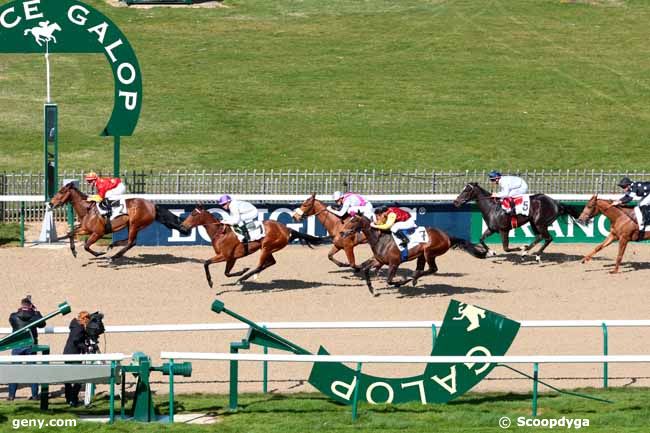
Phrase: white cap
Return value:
(337, 195)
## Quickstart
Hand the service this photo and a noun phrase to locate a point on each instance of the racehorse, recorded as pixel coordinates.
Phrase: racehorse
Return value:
(334, 226)
(543, 212)
(140, 214)
(229, 248)
(624, 227)
(386, 252)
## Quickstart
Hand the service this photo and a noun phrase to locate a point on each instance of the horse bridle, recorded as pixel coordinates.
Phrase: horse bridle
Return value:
(313, 203)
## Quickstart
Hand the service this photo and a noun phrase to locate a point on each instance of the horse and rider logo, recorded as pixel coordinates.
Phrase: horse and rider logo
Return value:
(44, 32)
(471, 313)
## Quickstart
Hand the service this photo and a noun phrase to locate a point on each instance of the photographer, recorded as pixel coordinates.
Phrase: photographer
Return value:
(76, 345)
(26, 314)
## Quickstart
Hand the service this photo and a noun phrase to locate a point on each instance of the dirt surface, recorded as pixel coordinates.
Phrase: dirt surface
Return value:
(167, 286)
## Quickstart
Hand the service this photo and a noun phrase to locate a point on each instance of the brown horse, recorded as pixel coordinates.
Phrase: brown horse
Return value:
(334, 226)
(140, 214)
(386, 252)
(624, 227)
(229, 248)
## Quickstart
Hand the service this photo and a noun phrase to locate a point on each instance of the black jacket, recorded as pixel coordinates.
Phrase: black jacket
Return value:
(24, 317)
(76, 339)
(638, 189)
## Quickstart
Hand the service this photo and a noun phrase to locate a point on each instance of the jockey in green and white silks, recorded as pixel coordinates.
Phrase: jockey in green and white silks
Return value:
(637, 191)
(241, 213)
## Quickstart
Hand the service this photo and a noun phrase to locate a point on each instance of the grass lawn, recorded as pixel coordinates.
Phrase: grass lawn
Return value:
(303, 413)
(380, 84)
(9, 234)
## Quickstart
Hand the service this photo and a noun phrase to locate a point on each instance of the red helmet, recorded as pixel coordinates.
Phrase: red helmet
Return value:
(91, 177)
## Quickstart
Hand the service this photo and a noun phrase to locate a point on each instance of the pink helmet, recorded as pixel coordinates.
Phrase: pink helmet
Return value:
(224, 199)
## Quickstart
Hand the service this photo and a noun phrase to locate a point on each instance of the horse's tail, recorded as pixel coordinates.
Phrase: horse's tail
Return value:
(474, 249)
(304, 238)
(169, 220)
(568, 210)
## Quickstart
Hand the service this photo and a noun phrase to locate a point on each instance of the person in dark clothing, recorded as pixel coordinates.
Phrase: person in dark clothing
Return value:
(75, 345)
(26, 314)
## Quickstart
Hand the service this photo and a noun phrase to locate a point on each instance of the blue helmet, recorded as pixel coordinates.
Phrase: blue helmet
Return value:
(494, 175)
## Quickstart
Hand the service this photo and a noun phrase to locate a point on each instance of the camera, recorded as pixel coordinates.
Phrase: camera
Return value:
(94, 329)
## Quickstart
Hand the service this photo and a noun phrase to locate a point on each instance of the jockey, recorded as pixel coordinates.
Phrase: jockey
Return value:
(241, 213)
(397, 220)
(351, 203)
(636, 191)
(510, 186)
(107, 188)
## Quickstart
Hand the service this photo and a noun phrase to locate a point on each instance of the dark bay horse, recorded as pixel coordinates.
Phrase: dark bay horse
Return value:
(140, 213)
(624, 227)
(229, 248)
(543, 212)
(386, 252)
(334, 226)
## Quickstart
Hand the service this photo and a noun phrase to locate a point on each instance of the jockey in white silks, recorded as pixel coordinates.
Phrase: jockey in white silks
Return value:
(240, 214)
(509, 186)
(351, 204)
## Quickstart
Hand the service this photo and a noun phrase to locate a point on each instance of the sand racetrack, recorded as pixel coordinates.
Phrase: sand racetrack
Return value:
(167, 286)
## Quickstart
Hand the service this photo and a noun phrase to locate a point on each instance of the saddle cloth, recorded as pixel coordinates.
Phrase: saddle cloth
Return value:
(522, 204)
(118, 209)
(255, 231)
(416, 236)
(640, 220)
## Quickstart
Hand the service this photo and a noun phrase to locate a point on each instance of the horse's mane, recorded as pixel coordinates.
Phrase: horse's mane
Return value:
(74, 188)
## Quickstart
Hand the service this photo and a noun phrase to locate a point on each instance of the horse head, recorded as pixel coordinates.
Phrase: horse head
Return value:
(590, 210)
(199, 216)
(354, 225)
(306, 208)
(63, 196)
(471, 192)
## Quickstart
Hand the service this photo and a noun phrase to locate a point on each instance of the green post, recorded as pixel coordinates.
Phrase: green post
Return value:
(355, 395)
(434, 335)
(234, 373)
(111, 408)
(123, 395)
(605, 352)
(171, 391)
(265, 371)
(22, 223)
(70, 213)
(535, 379)
(116, 156)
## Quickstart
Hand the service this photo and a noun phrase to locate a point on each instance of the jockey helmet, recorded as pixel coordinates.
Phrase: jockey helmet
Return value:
(91, 177)
(381, 210)
(625, 182)
(494, 175)
(224, 199)
(337, 195)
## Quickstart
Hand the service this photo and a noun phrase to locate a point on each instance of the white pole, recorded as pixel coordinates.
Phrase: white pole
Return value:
(47, 68)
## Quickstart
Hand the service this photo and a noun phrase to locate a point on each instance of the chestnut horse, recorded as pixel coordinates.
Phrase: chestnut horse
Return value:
(334, 226)
(543, 212)
(140, 214)
(624, 227)
(386, 252)
(229, 248)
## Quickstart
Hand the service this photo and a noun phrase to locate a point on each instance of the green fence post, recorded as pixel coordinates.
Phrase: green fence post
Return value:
(605, 352)
(111, 408)
(171, 391)
(355, 395)
(535, 378)
(123, 394)
(233, 379)
(434, 335)
(70, 213)
(22, 223)
(265, 371)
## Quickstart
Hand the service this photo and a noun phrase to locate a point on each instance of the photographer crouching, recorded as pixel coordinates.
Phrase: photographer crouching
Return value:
(83, 338)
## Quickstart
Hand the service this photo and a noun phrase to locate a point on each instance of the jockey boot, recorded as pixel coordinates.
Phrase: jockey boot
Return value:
(105, 204)
(247, 237)
(404, 240)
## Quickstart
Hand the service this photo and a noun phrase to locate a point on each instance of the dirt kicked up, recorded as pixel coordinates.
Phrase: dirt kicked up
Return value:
(168, 286)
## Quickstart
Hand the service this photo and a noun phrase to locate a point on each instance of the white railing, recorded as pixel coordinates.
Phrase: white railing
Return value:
(64, 358)
(423, 324)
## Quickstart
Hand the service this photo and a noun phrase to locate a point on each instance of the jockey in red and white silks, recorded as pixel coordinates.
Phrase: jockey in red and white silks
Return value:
(351, 204)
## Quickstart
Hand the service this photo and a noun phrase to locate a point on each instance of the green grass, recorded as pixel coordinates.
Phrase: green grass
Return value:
(303, 413)
(9, 234)
(421, 84)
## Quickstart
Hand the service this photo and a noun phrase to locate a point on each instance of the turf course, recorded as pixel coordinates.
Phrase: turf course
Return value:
(353, 84)
(302, 413)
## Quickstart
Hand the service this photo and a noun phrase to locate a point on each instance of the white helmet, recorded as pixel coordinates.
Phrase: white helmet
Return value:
(337, 195)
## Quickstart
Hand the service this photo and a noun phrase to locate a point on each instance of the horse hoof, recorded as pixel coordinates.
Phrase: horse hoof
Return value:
(615, 271)
(74, 254)
(210, 283)
(538, 259)
(491, 253)
(255, 277)
(414, 282)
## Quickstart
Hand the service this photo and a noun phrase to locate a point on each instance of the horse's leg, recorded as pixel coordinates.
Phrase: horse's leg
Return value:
(367, 265)
(229, 264)
(216, 259)
(330, 256)
(505, 240)
(611, 238)
(392, 270)
(133, 237)
(266, 260)
(547, 241)
(481, 241)
(91, 240)
(349, 253)
(622, 244)
(419, 269)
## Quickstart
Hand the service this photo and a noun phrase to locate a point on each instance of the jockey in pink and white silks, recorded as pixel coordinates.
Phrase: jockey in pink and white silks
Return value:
(241, 213)
(351, 204)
